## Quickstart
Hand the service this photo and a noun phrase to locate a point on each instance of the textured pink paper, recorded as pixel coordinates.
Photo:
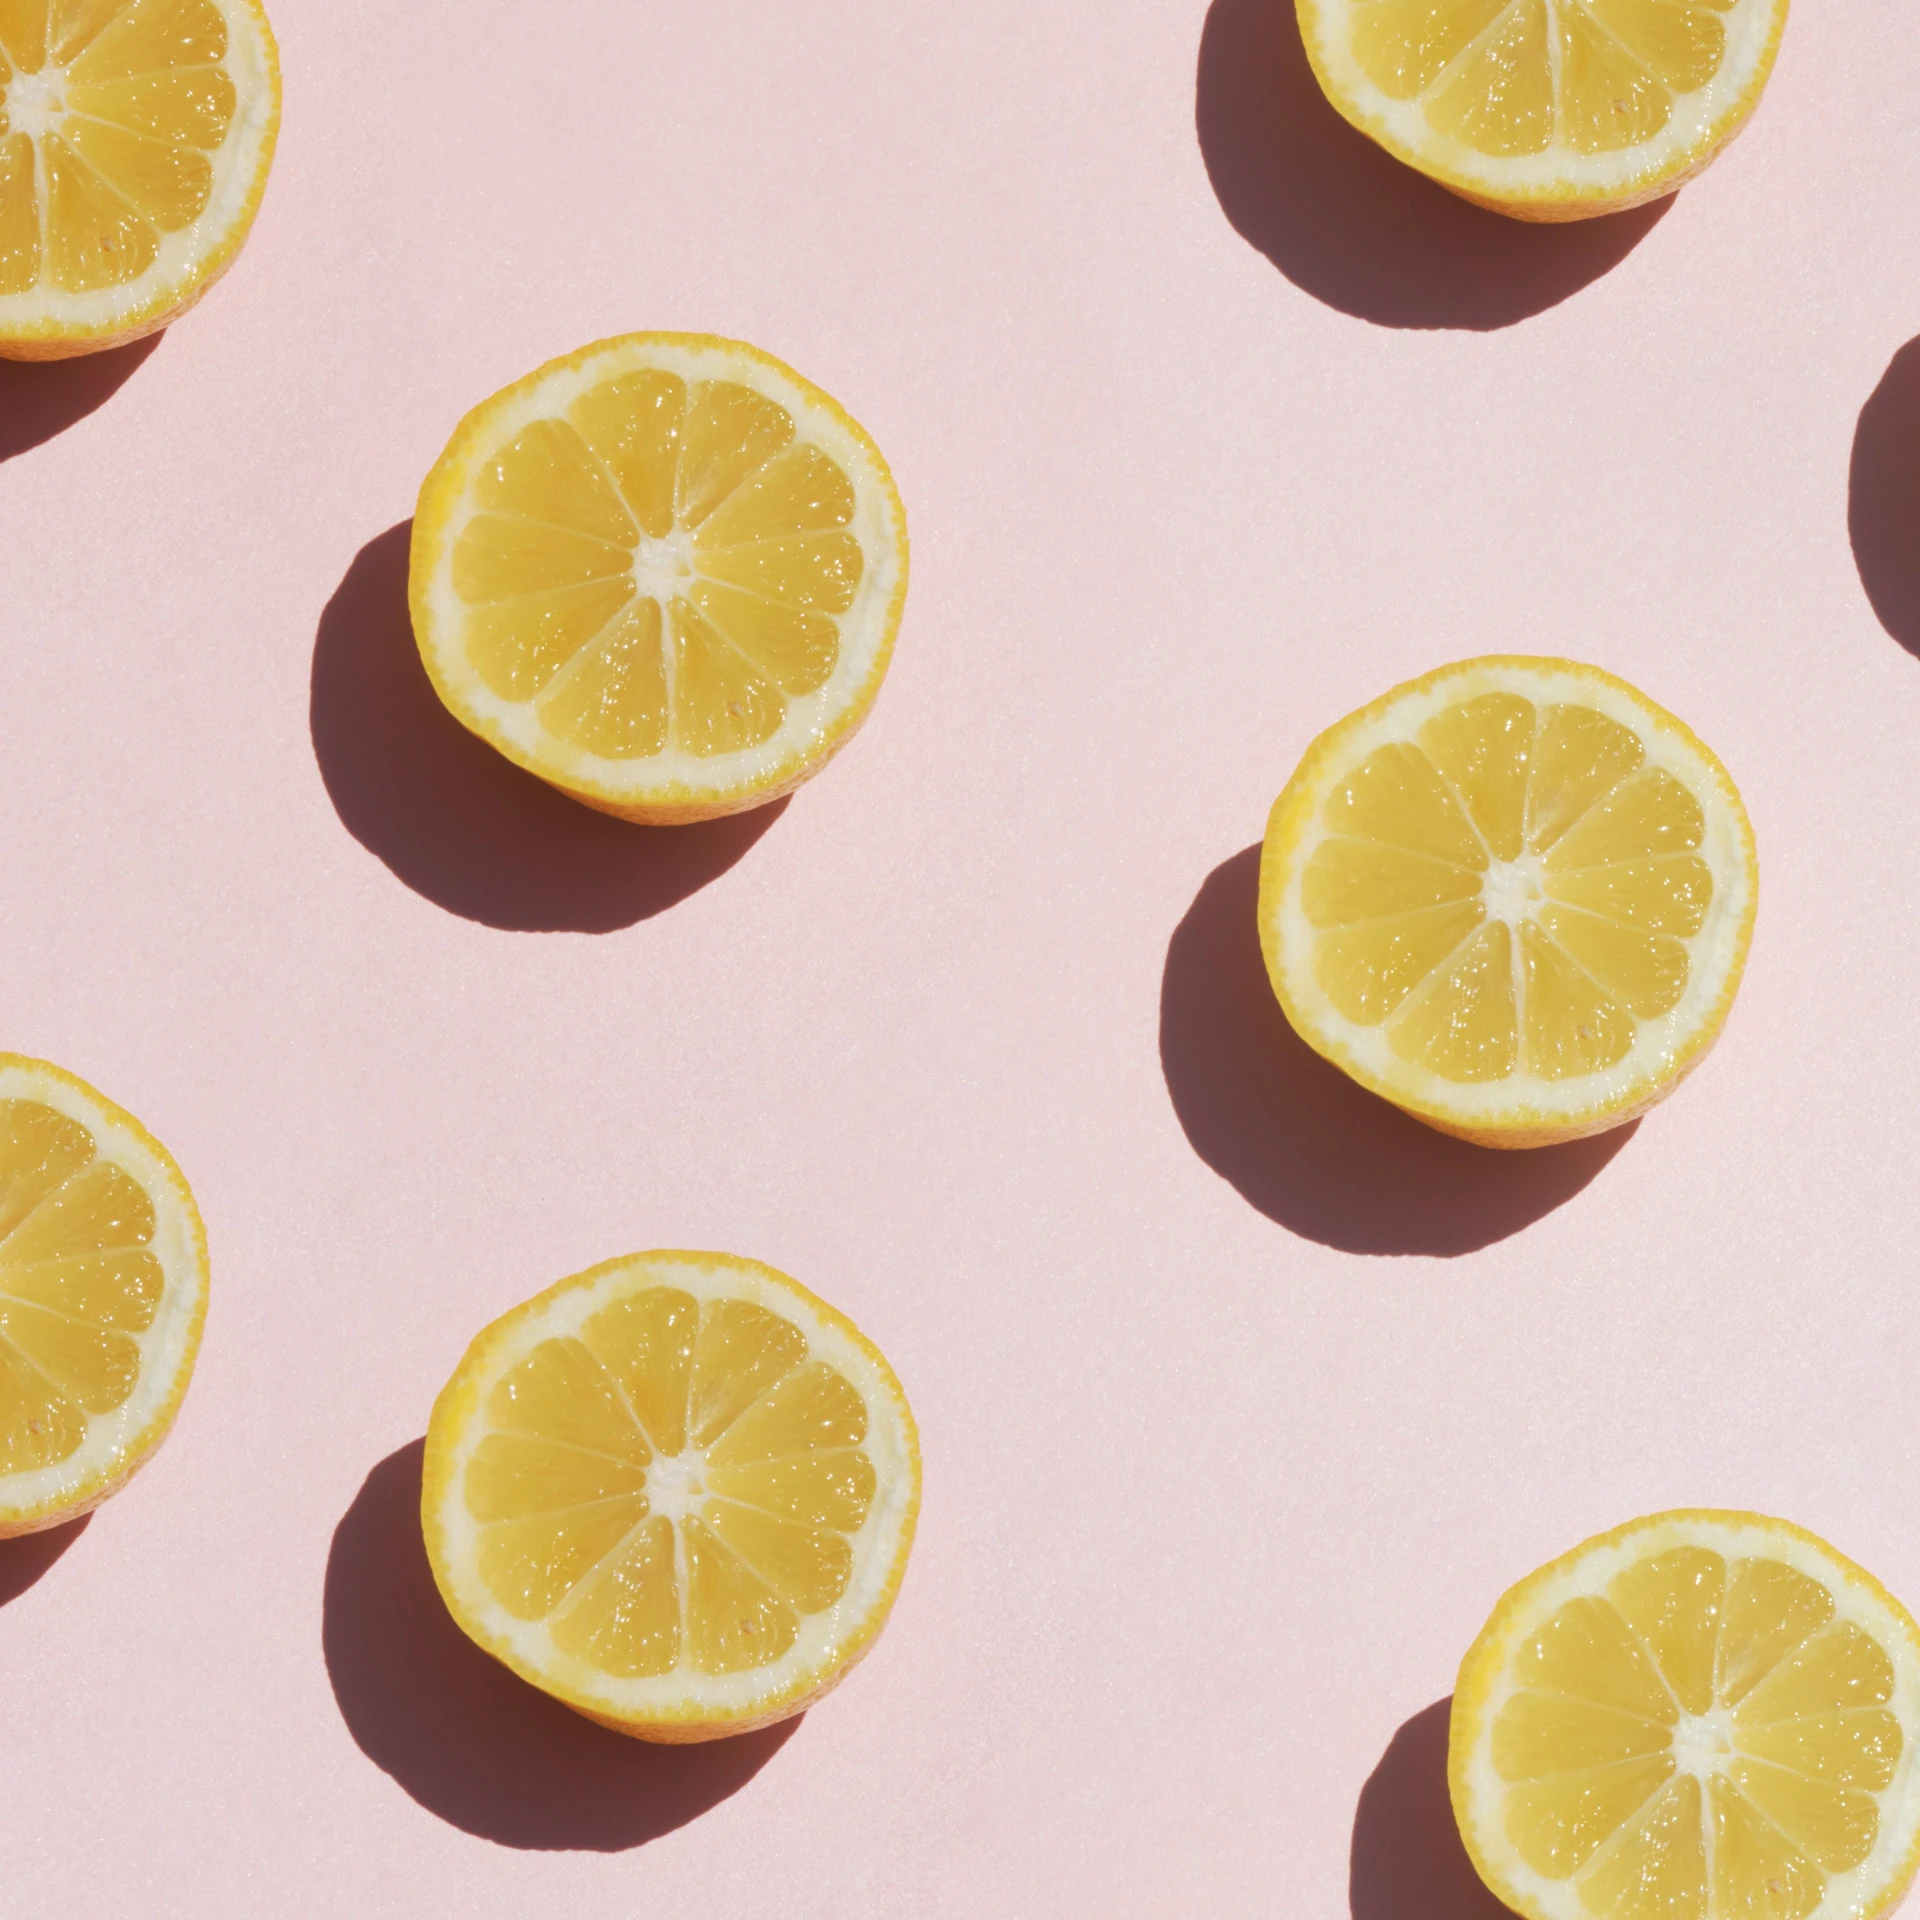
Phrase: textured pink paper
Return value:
(1242, 1398)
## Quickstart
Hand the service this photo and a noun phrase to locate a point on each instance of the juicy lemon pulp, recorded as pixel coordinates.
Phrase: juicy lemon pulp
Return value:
(1514, 894)
(1517, 76)
(1549, 109)
(1527, 869)
(676, 1491)
(671, 1483)
(663, 574)
(1696, 1691)
(111, 111)
(1701, 1733)
(78, 1282)
(661, 563)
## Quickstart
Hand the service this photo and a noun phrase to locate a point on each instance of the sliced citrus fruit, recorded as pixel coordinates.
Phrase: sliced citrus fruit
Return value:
(1547, 109)
(1513, 897)
(103, 1288)
(1698, 1716)
(676, 1492)
(135, 137)
(663, 573)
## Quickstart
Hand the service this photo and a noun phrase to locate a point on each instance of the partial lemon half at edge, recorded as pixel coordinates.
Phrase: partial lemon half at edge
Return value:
(663, 573)
(1547, 109)
(103, 1292)
(1514, 897)
(1698, 1716)
(135, 138)
(676, 1491)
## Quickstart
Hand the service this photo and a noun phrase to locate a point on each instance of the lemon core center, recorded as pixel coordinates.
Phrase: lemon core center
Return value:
(663, 567)
(1703, 1742)
(676, 1483)
(35, 102)
(1512, 889)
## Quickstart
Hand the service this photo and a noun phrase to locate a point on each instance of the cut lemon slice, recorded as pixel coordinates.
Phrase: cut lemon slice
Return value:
(676, 1492)
(663, 573)
(103, 1288)
(135, 137)
(1698, 1716)
(1547, 109)
(1514, 897)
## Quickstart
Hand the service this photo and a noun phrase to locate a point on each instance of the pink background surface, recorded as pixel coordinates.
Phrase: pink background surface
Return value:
(1242, 1398)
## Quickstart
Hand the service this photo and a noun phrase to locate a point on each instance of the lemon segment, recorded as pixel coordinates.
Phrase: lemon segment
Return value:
(664, 574)
(1514, 897)
(135, 138)
(1699, 1716)
(103, 1290)
(1546, 109)
(677, 1492)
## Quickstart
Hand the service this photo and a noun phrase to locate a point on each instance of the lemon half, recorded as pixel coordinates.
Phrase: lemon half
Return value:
(676, 1492)
(103, 1292)
(1547, 109)
(1514, 897)
(1698, 1716)
(135, 138)
(663, 573)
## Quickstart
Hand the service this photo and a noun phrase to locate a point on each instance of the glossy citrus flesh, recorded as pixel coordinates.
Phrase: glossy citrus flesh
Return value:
(1514, 897)
(135, 137)
(1547, 109)
(663, 573)
(677, 1491)
(103, 1287)
(1702, 1716)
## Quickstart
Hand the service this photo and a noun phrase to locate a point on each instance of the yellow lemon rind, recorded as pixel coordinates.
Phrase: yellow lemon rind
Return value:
(462, 1401)
(639, 796)
(1519, 1124)
(1526, 1605)
(124, 321)
(1500, 187)
(50, 1496)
